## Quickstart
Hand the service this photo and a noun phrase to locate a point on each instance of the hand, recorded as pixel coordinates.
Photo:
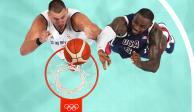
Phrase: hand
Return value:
(44, 36)
(136, 59)
(104, 58)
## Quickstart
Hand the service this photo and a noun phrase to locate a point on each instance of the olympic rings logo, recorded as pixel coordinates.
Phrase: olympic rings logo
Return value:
(71, 107)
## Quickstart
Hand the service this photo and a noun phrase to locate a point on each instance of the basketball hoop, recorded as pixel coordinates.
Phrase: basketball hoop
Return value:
(71, 83)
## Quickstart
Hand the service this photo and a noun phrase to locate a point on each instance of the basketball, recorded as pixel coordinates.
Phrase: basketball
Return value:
(77, 51)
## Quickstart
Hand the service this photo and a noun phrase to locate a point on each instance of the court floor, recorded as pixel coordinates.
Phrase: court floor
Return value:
(122, 87)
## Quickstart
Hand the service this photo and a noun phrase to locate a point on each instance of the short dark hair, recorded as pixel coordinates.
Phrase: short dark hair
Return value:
(147, 13)
(56, 6)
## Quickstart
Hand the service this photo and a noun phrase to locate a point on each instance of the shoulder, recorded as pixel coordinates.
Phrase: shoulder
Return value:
(72, 12)
(40, 21)
(155, 35)
(155, 29)
(119, 25)
(119, 21)
(123, 20)
(129, 17)
(39, 24)
(78, 19)
(78, 16)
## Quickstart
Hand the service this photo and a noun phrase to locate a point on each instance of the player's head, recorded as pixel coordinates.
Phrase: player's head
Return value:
(58, 13)
(142, 20)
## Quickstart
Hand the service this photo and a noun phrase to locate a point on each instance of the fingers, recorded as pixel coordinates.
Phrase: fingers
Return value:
(44, 36)
(135, 57)
(104, 58)
(104, 65)
(135, 54)
(107, 61)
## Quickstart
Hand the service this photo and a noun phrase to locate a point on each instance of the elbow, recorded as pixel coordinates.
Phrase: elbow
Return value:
(22, 52)
(155, 68)
(96, 32)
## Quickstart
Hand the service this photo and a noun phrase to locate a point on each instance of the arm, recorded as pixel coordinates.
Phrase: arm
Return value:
(117, 28)
(36, 31)
(80, 22)
(155, 53)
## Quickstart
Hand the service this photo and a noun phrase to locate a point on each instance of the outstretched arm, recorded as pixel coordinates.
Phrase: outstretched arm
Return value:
(117, 28)
(155, 52)
(82, 23)
(37, 31)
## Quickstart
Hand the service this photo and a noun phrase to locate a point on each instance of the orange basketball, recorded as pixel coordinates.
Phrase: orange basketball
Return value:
(77, 51)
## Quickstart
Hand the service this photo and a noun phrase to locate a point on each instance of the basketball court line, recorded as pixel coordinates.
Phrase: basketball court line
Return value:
(185, 39)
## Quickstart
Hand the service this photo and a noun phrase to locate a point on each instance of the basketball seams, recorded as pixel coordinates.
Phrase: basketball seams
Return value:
(79, 54)
(74, 45)
(70, 53)
(86, 52)
(77, 51)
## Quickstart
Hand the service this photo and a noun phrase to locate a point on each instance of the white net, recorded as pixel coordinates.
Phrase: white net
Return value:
(71, 81)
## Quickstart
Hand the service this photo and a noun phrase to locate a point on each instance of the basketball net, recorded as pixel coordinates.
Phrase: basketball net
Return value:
(71, 83)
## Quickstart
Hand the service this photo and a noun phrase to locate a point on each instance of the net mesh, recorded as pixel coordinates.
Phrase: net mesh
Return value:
(71, 81)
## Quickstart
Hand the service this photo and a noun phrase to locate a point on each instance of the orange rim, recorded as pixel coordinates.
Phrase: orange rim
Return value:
(48, 85)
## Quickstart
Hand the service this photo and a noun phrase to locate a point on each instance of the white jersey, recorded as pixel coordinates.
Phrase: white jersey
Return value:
(58, 40)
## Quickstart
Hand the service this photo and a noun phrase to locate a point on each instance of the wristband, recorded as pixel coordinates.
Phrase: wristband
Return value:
(104, 37)
(38, 42)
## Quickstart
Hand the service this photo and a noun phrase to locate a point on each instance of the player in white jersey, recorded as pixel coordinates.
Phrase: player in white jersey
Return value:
(58, 25)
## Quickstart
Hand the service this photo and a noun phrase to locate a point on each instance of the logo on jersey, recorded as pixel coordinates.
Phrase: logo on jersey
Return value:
(131, 43)
(128, 50)
(58, 42)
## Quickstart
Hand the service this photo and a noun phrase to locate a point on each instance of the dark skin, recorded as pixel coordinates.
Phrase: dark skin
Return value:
(157, 43)
(119, 25)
